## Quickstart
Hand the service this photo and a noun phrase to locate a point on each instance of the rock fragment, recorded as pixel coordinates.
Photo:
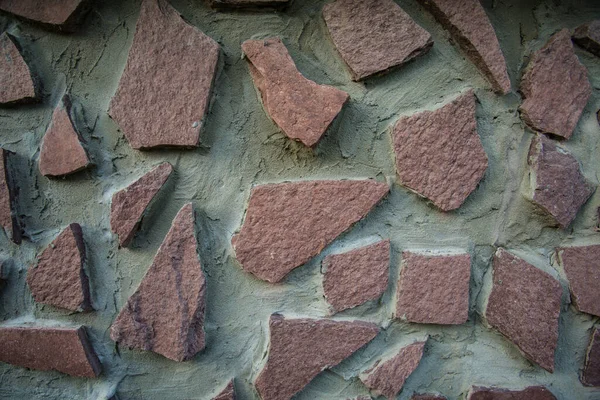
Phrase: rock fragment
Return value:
(591, 371)
(61, 14)
(529, 393)
(9, 195)
(582, 267)
(242, 4)
(588, 36)
(228, 393)
(16, 84)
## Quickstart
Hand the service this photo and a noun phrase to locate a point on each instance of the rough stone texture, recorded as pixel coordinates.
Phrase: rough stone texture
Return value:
(427, 397)
(588, 36)
(357, 276)
(157, 105)
(468, 23)
(59, 13)
(9, 195)
(529, 393)
(286, 224)
(166, 313)
(434, 289)
(582, 267)
(302, 108)
(59, 278)
(439, 154)
(373, 36)
(555, 88)
(16, 84)
(228, 393)
(129, 205)
(524, 306)
(237, 4)
(591, 372)
(301, 348)
(66, 350)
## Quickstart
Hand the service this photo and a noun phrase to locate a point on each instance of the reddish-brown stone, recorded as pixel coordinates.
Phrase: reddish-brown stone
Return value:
(66, 350)
(9, 193)
(434, 289)
(524, 306)
(588, 36)
(16, 84)
(555, 87)
(529, 393)
(357, 276)
(129, 205)
(60, 13)
(166, 313)
(373, 36)
(591, 371)
(427, 397)
(228, 393)
(286, 224)
(302, 108)
(156, 104)
(59, 278)
(237, 4)
(300, 349)
(582, 267)
(439, 154)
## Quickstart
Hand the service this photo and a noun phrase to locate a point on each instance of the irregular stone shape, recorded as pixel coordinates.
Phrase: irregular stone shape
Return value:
(556, 183)
(59, 278)
(427, 397)
(237, 4)
(62, 14)
(591, 371)
(555, 87)
(588, 36)
(470, 26)
(373, 36)
(357, 276)
(166, 313)
(302, 108)
(529, 393)
(286, 224)
(301, 348)
(16, 84)
(439, 154)
(9, 198)
(434, 289)
(228, 393)
(583, 273)
(66, 350)
(157, 105)
(524, 306)
(129, 205)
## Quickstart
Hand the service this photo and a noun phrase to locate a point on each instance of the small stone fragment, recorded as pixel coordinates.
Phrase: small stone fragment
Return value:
(582, 267)
(438, 153)
(588, 36)
(9, 193)
(228, 393)
(157, 105)
(529, 393)
(427, 397)
(591, 370)
(286, 224)
(302, 108)
(63, 14)
(357, 276)
(240, 4)
(524, 306)
(16, 84)
(301, 348)
(373, 36)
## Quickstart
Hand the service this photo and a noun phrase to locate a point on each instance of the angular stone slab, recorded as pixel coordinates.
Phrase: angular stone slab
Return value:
(228, 393)
(591, 371)
(588, 36)
(582, 267)
(157, 105)
(59, 279)
(241, 4)
(555, 87)
(373, 36)
(166, 313)
(9, 198)
(62, 14)
(434, 289)
(470, 26)
(357, 276)
(16, 84)
(129, 205)
(302, 108)
(287, 224)
(66, 350)
(438, 153)
(529, 393)
(301, 348)
(427, 397)
(524, 306)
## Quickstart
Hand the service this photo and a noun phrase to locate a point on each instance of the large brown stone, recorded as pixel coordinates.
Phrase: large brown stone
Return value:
(66, 350)
(129, 205)
(286, 224)
(302, 108)
(357, 276)
(529, 393)
(301, 348)
(555, 87)
(373, 36)
(239, 4)
(165, 89)
(9, 195)
(582, 267)
(62, 14)
(228, 393)
(588, 36)
(439, 154)
(16, 84)
(591, 371)
(166, 313)
(524, 306)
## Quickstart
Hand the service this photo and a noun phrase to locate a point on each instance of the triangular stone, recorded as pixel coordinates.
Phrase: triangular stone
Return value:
(15, 78)
(228, 393)
(62, 14)
(8, 199)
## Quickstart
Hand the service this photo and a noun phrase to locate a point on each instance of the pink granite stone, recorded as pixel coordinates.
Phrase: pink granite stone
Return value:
(16, 84)
(228, 393)
(62, 14)
(9, 194)
(582, 267)
(588, 36)
(591, 371)
(529, 393)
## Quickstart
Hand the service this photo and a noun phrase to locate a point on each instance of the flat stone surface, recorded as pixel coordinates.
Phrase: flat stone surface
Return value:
(591, 371)
(434, 289)
(583, 273)
(438, 153)
(235, 4)
(50, 12)
(66, 350)
(357, 276)
(524, 306)
(373, 36)
(470, 26)
(59, 279)
(287, 224)
(166, 313)
(16, 84)
(301, 348)
(555, 88)
(9, 191)
(302, 108)
(529, 393)
(427, 397)
(228, 393)
(157, 105)
(129, 205)
(588, 36)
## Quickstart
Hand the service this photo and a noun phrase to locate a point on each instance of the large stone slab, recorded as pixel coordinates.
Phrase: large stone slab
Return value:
(61, 14)
(156, 104)
(588, 36)
(582, 267)
(16, 83)
(302, 108)
(591, 371)
(9, 199)
(241, 4)
(300, 349)
(373, 36)
(529, 393)
(228, 393)
(286, 224)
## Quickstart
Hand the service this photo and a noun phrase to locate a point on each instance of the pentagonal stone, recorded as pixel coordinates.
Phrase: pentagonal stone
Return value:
(591, 371)
(588, 36)
(16, 84)
(582, 267)
(61, 14)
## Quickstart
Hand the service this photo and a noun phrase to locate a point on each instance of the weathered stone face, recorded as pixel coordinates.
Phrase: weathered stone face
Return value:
(591, 371)
(529, 393)
(239, 4)
(582, 267)
(588, 36)
(9, 199)
(61, 14)
(16, 84)
(228, 393)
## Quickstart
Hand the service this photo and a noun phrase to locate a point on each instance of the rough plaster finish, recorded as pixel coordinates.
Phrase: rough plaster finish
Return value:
(582, 267)
(588, 36)
(530, 393)
(590, 375)
(240, 4)
(427, 397)
(16, 84)
(60, 13)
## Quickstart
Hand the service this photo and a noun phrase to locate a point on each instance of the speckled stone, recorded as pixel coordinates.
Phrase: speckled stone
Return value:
(591, 371)
(16, 84)
(588, 36)
(582, 267)
(238, 4)
(228, 393)
(529, 393)
(9, 198)
(62, 14)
